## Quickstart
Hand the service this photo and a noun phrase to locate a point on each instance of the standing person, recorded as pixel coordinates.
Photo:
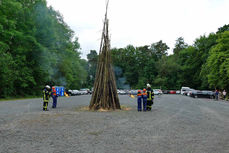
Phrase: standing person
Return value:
(139, 97)
(224, 94)
(150, 97)
(46, 96)
(144, 97)
(54, 97)
(216, 94)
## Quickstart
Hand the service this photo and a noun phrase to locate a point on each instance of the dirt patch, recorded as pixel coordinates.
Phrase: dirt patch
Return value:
(86, 108)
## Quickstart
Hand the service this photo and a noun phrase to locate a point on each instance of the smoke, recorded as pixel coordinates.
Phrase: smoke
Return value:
(120, 78)
(50, 45)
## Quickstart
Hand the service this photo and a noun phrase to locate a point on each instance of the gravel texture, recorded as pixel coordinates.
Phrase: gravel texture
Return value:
(176, 124)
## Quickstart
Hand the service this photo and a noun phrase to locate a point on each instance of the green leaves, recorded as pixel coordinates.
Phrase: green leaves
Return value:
(36, 48)
(218, 62)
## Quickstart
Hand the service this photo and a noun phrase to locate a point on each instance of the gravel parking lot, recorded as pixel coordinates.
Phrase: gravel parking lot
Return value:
(176, 124)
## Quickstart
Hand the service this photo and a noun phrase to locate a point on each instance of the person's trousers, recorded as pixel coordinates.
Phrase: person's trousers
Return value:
(45, 106)
(54, 102)
(139, 103)
(149, 105)
(144, 103)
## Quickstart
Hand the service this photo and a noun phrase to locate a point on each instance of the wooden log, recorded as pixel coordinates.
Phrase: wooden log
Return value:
(105, 91)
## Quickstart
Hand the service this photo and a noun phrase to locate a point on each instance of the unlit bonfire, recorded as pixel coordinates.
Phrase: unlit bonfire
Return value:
(105, 95)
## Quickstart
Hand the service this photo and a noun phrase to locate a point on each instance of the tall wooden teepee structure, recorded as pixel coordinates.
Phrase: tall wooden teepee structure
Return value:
(105, 91)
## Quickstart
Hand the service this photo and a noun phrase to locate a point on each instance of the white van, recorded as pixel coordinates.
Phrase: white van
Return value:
(184, 89)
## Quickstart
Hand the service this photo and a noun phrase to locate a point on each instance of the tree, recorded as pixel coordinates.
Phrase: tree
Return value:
(223, 29)
(37, 43)
(92, 58)
(218, 63)
(160, 49)
(179, 45)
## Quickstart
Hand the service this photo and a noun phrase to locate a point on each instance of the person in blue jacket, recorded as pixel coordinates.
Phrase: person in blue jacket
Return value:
(54, 97)
(144, 97)
(139, 99)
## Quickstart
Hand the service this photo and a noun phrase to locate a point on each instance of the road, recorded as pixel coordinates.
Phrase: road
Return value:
(176, 124)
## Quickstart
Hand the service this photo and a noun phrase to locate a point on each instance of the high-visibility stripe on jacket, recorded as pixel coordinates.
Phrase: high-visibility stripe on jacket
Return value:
(149, 95)
(46, 95)
(152, 95)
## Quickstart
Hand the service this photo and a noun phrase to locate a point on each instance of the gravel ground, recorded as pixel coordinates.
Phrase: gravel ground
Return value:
(176, 124)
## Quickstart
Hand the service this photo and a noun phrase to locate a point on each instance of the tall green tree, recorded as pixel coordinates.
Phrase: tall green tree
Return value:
(160, 49)
(218, 63)
(92, 58)
(37, 48)
(179, 45)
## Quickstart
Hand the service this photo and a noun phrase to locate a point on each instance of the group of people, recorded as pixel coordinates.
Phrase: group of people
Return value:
(145, 99)
(47, 93)
(219, 94)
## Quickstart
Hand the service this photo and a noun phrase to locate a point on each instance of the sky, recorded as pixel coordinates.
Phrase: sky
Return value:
(142, 22)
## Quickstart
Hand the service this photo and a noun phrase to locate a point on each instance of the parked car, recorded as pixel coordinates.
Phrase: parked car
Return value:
(172, 92)
(187, 92)
(165, 91)
(184, 90)
(121, 92)
(134, 92)
(193, 93)
(128, 91)
(202, 94)
(84, 91)
(178, 92)
(73, 92)
(157, 91)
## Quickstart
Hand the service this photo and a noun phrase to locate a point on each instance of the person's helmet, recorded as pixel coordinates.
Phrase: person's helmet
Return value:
(144, 89)
(47, 87)
(148, 85)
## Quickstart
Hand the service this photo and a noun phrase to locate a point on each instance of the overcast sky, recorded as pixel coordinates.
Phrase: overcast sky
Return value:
(142, 22)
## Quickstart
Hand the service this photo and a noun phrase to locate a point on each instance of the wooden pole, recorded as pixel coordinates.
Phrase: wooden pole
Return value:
(105, 94)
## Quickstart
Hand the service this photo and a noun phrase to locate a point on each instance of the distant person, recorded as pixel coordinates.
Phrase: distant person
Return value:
(54, 97)
(224, 94)
(150, 97)
(139, 100)
(46, 96)
(216, 94)
(144, 97)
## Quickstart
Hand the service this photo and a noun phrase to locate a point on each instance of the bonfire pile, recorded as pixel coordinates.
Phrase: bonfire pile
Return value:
(105, 91)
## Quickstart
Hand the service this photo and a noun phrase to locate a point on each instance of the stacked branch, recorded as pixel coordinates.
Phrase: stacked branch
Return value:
(105, 91)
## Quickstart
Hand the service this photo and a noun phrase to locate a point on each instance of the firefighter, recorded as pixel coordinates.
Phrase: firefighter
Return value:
(150, 97)
(144, 97)
(139, 98)
(54, 97)
(46, 96)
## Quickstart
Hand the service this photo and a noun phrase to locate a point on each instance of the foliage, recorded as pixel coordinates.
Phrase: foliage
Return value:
(218, 63)
(36, 48)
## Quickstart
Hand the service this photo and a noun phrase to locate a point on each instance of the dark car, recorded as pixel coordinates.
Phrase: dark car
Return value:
(165, 91)
(202, 94)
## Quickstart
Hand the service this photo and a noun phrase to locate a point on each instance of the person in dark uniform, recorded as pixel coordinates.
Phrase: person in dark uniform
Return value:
(46, 96)
(150, 97)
